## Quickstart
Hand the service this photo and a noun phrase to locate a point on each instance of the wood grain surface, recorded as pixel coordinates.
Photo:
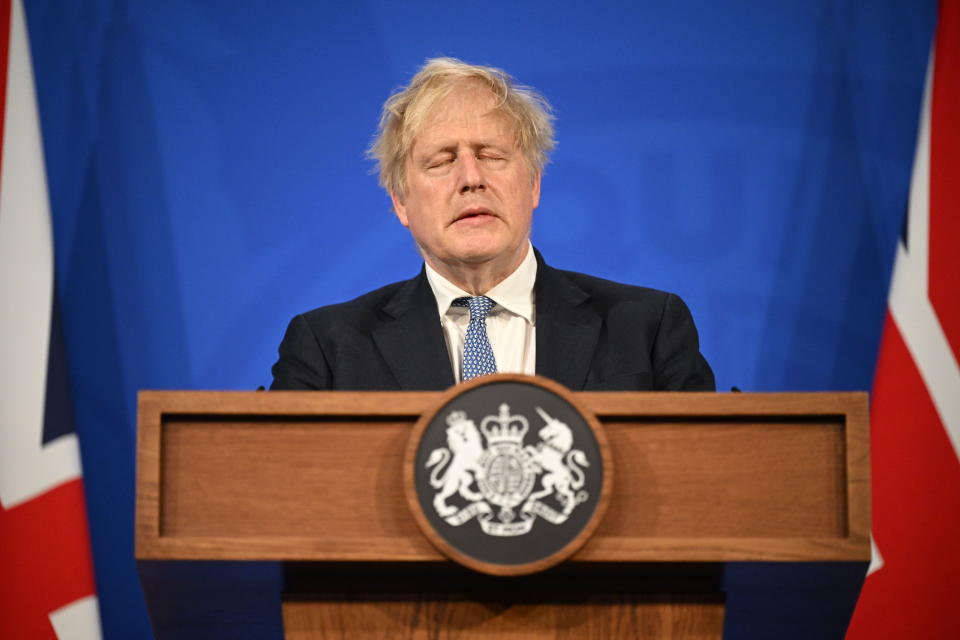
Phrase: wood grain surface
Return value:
(605, 602)
(445, 616)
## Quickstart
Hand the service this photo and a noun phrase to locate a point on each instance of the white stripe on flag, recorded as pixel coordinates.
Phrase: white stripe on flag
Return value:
(876, 559)
(79, 620)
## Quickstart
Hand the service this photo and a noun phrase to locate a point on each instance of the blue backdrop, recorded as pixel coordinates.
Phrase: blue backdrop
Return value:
(207, 178)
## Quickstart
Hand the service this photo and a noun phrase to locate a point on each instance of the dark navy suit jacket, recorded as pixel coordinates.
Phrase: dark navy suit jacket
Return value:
(592, 335)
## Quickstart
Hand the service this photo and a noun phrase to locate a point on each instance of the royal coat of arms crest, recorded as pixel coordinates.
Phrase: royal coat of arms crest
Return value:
(505, 482)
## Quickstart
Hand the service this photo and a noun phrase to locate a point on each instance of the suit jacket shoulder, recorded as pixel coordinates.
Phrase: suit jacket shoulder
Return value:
(388, 339)
(603, 335)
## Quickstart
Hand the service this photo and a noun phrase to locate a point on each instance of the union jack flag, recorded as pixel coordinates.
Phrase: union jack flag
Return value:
(913, 584)
(46, 576)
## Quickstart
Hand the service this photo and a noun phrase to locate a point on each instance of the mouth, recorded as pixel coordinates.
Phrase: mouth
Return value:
(474, 215)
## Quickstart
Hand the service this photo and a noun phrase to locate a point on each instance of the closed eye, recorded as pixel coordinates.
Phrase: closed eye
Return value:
(440, 161)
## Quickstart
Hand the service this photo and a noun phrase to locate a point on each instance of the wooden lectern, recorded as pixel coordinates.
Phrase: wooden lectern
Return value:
(313, 479)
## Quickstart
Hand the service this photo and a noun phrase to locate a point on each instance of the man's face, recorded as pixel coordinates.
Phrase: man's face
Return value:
(470, 195)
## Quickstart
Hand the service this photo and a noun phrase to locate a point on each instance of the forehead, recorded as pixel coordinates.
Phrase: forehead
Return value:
(467, 112)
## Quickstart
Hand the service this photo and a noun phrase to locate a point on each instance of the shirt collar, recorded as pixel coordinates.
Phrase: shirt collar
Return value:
(514, 293)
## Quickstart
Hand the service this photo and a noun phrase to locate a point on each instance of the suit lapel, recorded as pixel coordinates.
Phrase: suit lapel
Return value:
(411, 340)
(567, 328)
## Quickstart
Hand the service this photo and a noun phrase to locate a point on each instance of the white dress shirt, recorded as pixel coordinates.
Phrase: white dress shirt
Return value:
(511, 323)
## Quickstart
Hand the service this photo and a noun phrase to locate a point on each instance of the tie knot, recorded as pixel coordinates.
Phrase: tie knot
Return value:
(479, 306)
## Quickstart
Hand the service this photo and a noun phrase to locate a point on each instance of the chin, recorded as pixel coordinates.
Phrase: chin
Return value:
(474, 257)
(482, 252)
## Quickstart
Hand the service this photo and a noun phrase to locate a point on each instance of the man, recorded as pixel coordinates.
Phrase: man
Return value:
(461, 151)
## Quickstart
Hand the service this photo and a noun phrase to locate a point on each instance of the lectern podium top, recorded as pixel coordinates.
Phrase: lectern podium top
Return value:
(317, 476)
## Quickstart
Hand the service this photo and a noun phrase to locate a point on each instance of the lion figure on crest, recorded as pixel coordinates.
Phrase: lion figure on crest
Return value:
(460, 461)
(553, 454)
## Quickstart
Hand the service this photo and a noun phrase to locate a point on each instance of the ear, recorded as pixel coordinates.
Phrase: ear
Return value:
(401, 210)
(536, 190)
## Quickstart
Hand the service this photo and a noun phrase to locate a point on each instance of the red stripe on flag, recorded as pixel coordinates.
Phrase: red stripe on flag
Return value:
(945, 175)
(44, 560)
(916, 517)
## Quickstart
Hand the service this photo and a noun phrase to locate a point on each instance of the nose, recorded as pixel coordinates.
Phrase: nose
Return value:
(471, 174)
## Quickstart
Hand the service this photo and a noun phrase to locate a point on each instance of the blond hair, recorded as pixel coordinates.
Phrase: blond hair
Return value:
(406, 109)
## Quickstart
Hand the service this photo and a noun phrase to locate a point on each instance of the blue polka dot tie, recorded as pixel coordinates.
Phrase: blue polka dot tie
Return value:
(478, 357)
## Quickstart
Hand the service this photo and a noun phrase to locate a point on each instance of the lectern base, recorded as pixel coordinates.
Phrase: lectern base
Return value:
(450, 617)
(554, 605)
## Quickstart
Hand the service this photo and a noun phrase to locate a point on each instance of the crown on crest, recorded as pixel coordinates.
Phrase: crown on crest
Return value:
(504, 427)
